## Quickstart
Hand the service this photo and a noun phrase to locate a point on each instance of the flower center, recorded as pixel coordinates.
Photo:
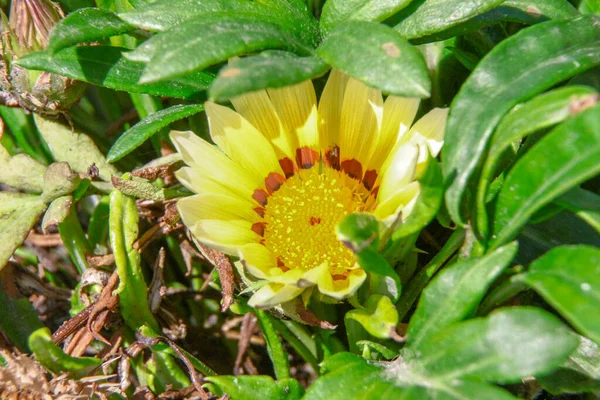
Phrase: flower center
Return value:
(302, 214)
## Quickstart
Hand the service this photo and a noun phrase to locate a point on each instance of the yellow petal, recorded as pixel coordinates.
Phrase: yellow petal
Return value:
(342, 288)
(197, 182)
(399, 170)
(258, 109)
(330, 109)
(272, 294)
(225, 236)
(362, 114)
(403, 199)
(297, 108)
(237, 137)
(215, 206)
(210, 162)
(430, 130)
(398, 115)
(257, 259)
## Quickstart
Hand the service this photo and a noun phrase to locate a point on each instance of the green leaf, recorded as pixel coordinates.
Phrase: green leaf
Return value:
(74, 147)
(253, 387)
(385, 352)
(568, 277)
(581, 372)
(563, 49)
(379, 57)
(106, 66)
(59, 180)
(585, 204)
(133, 292)
(455, 293)
(270, 69)
(210, 39)
(21, 172)
(143, 130)
(379, 317)
(549, 169)
(539, 113)
(336, 12)
(86, 25)
(274, 346)
(521, 11)
(57, 212)
(53, 358)
(510, 344)
(360, 233)
(426, 17)
(73, 238)
(162, 15)
(18, 213)
(349, 377)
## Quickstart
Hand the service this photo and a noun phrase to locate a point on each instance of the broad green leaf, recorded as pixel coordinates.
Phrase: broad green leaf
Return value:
(349, 377)
(270, 69)
(55, 359)
(336, 12)
(74, 147)
(19, 319)
(379, 57)
(256, 387)
(86, 25)
(18, 213)
(563, 49)
(426, 17)
(539, 113)
(585, 204)
(22, 129)
(568, 277)
(21, 172)
(162, 15)
(143, 130)
(561, 160)
(133, 292)
(581, 372)
(509, 344)
(210, 39)
(428, 204)
(379, 317)
(521, 11)
(455, 293)
(106, 66)
(589, 7)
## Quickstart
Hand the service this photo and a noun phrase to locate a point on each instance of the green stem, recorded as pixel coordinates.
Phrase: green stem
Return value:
(274, 346)
(294, 339)
(418, 283)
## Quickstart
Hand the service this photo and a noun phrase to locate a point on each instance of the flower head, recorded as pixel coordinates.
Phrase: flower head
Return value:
(287, 171)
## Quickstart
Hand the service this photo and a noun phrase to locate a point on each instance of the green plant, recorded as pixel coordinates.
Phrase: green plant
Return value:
(485, 284)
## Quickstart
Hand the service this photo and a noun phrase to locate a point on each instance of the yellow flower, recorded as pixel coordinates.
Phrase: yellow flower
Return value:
(287, 171)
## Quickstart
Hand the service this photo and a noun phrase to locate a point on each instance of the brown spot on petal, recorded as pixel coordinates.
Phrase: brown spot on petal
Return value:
(260, 196)
(259, 228)
(332, 157)
(370, 178)
(374, 192)
(306, 157)
(340, 277)
(315, 220)
(281, 265)
(288, 167)
(273, 182)
(352, 168)
(260, 211)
